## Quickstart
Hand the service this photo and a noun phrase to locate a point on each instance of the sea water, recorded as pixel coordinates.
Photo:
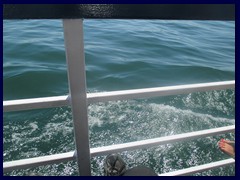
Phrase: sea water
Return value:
(120, 55)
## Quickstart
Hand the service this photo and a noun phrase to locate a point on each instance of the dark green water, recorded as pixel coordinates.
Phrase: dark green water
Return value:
(121, 54)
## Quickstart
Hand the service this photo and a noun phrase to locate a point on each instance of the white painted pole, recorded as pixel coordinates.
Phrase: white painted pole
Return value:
(73, 36)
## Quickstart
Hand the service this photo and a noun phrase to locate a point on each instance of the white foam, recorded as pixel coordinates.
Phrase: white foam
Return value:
(34, 126)
(159, 108)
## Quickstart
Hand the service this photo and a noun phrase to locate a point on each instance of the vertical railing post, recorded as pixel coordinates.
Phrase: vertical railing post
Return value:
(74, 45)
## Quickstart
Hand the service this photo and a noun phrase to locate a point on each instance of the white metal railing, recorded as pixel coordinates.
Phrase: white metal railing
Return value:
(57, 101)
(73, 36)
(100, 151)
(200, 168)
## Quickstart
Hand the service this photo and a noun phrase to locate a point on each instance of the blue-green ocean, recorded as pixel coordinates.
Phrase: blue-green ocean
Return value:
(120, 55)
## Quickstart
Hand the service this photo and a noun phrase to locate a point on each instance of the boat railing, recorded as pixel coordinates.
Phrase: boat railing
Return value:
(50, 102)
(78, 99)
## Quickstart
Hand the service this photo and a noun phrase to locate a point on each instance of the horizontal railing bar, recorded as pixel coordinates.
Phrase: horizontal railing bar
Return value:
(159, 91)
(45, 160)
(160, 141)
(35, 103)
(57, 101)
(38, 161)
(200, 168)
